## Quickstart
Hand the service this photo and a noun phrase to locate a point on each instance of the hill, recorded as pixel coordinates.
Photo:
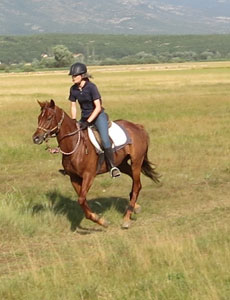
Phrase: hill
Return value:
(117, 49)
(115, 17)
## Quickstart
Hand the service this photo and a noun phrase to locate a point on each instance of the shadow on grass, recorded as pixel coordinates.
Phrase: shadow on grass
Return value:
(63, 205)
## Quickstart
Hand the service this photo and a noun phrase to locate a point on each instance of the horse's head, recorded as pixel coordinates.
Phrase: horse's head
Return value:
(47, 122)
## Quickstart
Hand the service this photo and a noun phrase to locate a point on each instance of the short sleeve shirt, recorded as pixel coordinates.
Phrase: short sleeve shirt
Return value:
(85, 97)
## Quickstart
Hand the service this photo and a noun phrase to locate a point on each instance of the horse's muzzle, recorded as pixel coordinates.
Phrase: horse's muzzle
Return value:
(38, 139)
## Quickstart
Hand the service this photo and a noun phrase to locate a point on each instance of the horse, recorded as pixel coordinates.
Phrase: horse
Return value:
(80, 159)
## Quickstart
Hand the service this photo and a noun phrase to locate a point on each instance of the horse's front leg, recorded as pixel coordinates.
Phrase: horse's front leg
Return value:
(82, 190)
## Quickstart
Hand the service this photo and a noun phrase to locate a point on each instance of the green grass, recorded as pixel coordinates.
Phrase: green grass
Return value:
(177, 248)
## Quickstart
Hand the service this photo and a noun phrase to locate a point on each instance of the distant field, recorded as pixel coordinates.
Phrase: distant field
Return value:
(177, 248)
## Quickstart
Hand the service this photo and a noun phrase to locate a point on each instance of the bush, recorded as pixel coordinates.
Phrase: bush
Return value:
(28, 68)
(48, 62)
(63, 57)
(3, 67)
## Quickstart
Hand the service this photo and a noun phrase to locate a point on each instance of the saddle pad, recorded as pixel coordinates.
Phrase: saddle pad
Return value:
(117, 134)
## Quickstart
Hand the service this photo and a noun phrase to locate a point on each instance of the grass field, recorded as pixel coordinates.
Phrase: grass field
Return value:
(177, 248)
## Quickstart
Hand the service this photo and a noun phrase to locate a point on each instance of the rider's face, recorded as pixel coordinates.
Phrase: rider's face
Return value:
(76, 79)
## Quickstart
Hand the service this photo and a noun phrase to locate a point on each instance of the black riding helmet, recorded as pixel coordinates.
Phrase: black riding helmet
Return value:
(78, 69)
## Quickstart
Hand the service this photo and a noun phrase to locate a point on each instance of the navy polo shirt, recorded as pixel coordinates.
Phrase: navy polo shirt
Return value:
(85, 97)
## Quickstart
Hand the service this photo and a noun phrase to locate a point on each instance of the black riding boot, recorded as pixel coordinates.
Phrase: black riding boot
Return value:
(109, 157)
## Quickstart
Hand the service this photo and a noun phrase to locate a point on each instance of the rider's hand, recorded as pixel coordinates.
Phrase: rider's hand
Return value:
(84, 125)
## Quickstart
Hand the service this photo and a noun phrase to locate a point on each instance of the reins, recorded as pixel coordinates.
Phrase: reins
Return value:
(71, 133)
(78, 141)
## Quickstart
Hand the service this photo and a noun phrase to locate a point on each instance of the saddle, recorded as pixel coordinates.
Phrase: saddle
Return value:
(118, 136)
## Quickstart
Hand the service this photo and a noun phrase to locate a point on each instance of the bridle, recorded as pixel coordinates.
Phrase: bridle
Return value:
(48, 133)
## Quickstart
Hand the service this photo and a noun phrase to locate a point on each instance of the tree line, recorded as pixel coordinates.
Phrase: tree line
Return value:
(60, 50)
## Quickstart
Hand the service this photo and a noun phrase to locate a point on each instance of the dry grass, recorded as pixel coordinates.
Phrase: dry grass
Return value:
(178, 248)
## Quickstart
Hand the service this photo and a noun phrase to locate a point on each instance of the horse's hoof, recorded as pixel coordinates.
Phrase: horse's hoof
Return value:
(103, 223)
(125, 225)
(137, 209)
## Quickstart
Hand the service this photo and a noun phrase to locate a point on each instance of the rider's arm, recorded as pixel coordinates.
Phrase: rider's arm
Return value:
(73, 110)
(96, 110)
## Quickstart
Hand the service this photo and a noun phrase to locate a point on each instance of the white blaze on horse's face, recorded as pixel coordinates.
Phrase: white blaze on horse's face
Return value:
(41, 133)
(45, 125)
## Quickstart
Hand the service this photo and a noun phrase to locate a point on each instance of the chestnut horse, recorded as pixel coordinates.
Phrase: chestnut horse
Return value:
(80, 159)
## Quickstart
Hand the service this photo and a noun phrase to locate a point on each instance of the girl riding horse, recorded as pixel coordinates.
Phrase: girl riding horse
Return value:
(92, 113)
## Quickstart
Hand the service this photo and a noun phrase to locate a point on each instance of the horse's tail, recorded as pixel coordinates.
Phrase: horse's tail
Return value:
(148, 169)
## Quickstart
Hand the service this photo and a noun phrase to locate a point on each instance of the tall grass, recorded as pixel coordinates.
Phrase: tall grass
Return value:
(177, 248)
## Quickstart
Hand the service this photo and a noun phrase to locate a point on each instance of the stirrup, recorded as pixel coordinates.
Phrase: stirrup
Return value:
(115, 172)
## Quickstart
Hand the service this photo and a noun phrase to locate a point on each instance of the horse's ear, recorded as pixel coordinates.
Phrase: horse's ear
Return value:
(52, 103)
(42, 104)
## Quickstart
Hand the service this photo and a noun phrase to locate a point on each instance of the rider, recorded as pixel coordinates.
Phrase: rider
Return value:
(86, 93)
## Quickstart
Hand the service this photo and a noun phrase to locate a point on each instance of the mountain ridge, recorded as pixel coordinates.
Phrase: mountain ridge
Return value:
(21, 17)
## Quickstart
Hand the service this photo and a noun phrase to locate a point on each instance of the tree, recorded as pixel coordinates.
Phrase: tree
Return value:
(62, 56)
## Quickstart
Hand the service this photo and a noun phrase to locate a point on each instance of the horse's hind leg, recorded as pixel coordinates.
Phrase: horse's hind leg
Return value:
(136, 187)
(126, 169)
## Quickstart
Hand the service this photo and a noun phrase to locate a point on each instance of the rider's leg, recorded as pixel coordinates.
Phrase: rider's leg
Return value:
(102, 125)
